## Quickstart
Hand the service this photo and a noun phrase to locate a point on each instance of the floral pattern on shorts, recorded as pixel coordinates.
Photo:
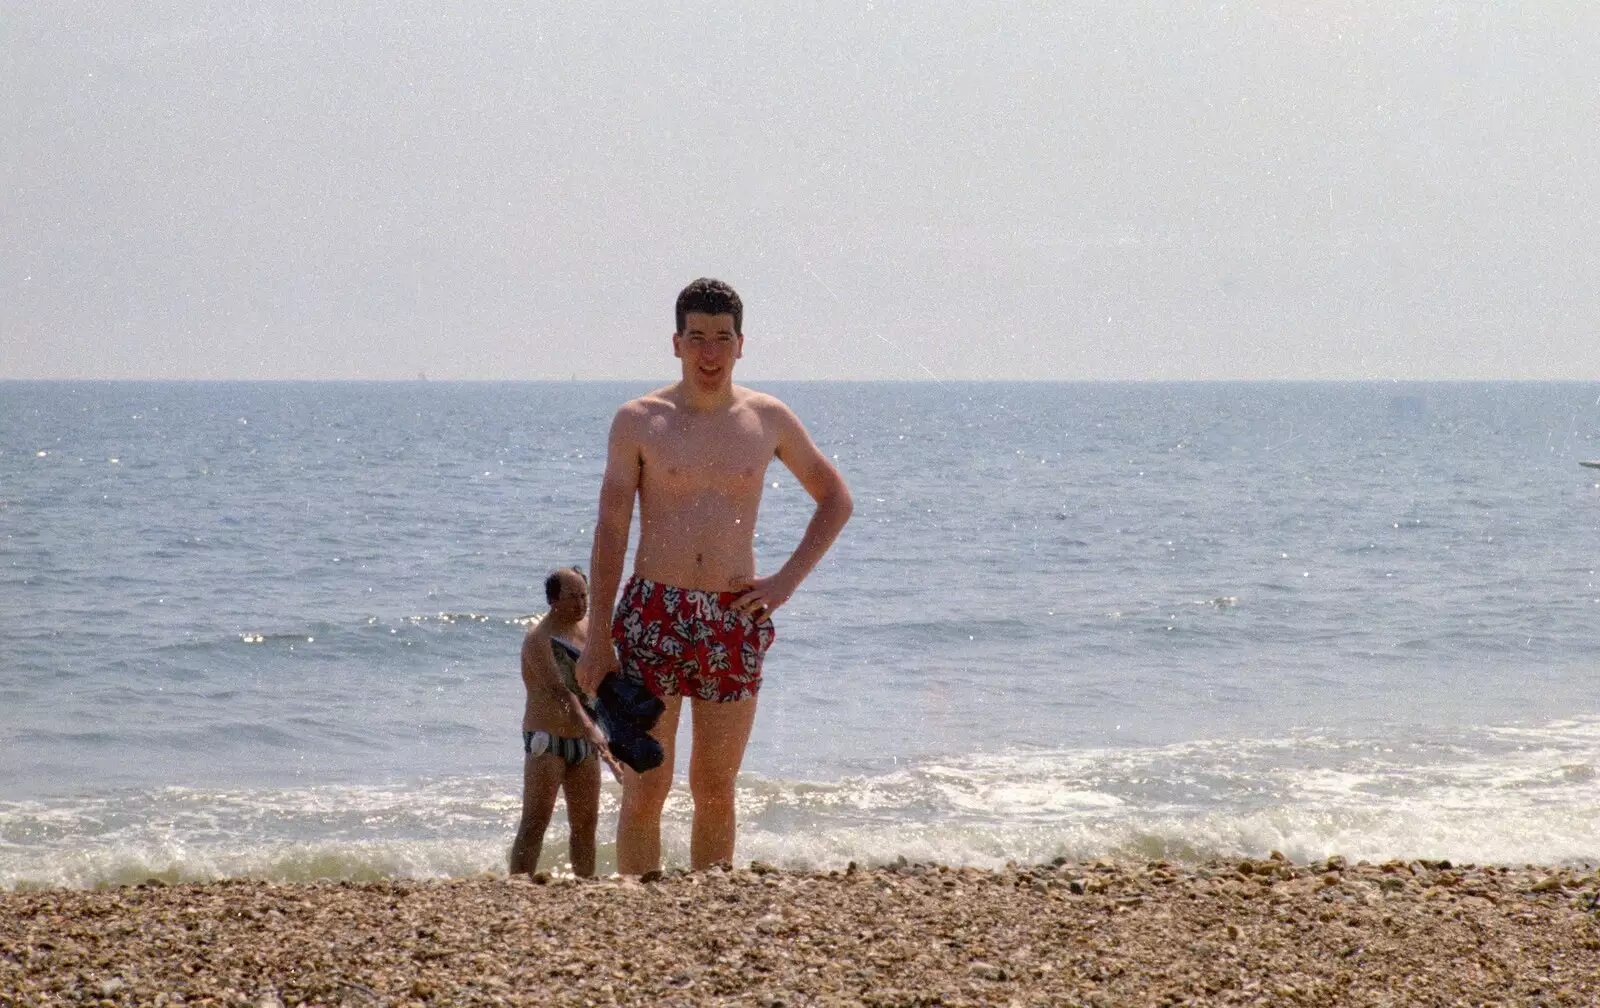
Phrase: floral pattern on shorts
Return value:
(685, 642)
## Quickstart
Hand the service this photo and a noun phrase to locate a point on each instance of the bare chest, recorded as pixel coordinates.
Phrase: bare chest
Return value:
(727, 456)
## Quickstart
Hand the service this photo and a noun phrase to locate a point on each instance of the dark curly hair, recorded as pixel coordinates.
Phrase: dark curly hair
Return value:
(712, 297)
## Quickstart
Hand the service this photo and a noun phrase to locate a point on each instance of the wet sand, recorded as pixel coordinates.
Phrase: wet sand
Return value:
(1252, 932)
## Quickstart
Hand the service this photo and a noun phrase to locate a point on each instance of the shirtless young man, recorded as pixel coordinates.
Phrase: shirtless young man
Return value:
(694, 619)
(558, 757)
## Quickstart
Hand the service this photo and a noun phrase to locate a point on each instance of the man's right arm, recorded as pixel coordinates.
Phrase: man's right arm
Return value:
(538, 665)
(617, 492)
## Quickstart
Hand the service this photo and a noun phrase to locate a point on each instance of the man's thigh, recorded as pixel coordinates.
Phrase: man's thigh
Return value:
(581, 786)
(721, 732)
(542, 774)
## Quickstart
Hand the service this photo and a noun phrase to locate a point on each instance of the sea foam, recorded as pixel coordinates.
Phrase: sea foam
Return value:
(1503, 795)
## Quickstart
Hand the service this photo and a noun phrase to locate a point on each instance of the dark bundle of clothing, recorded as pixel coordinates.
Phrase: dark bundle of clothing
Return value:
(623, 710)
(626, 711)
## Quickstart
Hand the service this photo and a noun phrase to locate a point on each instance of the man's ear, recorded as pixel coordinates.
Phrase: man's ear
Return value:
(677, 344)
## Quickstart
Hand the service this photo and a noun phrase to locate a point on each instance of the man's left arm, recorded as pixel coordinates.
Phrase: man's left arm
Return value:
(822, 481)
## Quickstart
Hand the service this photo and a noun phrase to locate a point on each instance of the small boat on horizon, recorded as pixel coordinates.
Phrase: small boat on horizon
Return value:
(1595, 464)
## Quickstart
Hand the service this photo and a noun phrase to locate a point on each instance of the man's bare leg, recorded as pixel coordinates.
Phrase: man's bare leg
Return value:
(582, 789)
(639, 819)
(541, 782)
(721, 731)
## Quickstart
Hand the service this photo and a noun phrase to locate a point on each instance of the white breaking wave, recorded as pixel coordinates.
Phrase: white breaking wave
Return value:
(1496, 795)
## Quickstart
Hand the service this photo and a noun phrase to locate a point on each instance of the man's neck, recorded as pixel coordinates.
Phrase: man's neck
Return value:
(705, 401)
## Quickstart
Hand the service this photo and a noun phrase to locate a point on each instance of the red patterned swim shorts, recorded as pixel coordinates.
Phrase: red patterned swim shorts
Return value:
(684, 642)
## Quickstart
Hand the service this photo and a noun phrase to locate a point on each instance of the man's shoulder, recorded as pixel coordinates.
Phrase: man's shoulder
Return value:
(538, 630)
(640, 411)
(651, 402)
(760, 402)
(772, 411)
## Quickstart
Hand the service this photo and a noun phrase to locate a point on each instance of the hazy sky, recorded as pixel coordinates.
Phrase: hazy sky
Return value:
(948, 189)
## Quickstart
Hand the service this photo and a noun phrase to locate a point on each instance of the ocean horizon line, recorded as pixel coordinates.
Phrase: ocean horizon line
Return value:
(658, 379)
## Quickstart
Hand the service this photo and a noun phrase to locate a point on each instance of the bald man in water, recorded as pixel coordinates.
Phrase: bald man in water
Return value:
(694, 619)
(559, 756)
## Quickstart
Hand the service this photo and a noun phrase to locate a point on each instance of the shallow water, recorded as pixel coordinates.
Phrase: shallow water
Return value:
(270, 629)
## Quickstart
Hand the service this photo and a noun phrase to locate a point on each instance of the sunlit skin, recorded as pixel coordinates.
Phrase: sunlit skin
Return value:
(549, 707)
(694, 455)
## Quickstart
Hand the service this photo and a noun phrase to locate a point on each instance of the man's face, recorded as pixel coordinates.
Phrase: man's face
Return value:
(708, 346)
(574, 600)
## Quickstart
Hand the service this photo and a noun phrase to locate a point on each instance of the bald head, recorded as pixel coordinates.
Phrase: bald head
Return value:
(569, 586)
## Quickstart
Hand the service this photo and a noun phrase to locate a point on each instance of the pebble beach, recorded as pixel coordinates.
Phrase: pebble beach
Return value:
(1151, 933)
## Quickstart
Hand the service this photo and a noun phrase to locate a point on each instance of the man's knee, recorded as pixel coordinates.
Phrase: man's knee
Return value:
(582, 820)
(537, 808)
(711, 790)
(536, 819)
(647, 791)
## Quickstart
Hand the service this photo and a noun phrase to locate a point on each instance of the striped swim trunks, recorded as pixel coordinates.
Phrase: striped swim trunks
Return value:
(573, 750)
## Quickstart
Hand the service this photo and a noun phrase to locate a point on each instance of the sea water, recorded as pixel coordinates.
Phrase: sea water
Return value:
(271, 629)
